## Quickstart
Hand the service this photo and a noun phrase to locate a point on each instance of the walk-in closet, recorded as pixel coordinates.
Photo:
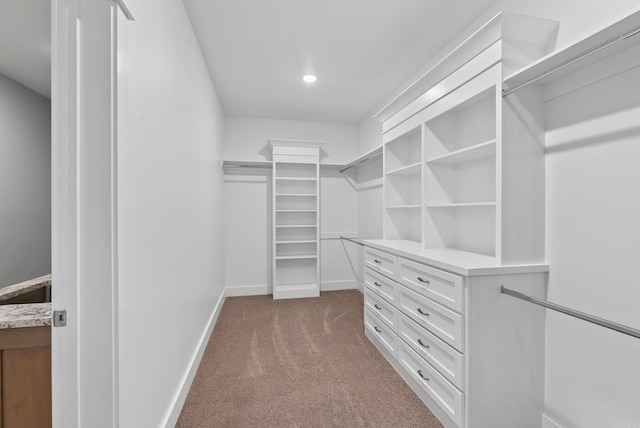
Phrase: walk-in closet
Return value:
(220, 213)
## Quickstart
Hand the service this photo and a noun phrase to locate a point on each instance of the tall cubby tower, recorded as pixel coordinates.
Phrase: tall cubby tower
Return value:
(296, 218)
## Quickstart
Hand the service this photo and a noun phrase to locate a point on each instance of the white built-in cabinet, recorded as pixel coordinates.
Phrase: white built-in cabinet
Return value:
(296, 218)
(464, 214)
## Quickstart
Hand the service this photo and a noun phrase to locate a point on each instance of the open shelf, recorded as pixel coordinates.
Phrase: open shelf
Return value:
(403, 190)
(404, 151)
(470, 228)
(293, 271)
(284, 226)
(297, 250)
(295, 217)
(297, 257)
(465, 126)
(470, 182)
(398, 207)
(465, 204)
(466, 154)
(406, 170)
(295, 179)
(403, 224)
(293, 235)
(299, 203)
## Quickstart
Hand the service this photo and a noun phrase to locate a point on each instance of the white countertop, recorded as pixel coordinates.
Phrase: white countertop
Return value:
(455, 261)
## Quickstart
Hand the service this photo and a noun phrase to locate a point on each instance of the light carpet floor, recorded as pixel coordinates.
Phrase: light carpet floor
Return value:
(298, 363)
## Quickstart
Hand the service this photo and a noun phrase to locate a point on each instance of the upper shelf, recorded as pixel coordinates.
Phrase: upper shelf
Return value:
(590, 49)
(230, 164)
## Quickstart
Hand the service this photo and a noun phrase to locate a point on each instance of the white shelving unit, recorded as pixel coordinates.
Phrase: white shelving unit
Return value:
(460, 175)
(464, 213)
(296, 216)
(402, 187)
(464, 170)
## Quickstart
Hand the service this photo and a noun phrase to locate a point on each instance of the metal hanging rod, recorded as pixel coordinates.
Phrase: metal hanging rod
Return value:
(586, 317)
(352, 240)
(246, 164)
(361, 161)
(573, 61)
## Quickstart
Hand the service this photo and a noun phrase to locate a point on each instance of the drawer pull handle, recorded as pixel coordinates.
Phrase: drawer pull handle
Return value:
(424, 281)
(377, 261)
(422, 344)
(423, 376)
(375, 327)
(377, 307)
(376, 284)
(426, 314)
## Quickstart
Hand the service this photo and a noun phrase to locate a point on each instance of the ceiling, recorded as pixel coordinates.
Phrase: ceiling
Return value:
(25, 43)
(257, 51)
(362, 50)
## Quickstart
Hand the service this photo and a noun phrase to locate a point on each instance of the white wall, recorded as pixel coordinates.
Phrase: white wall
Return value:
(248, 201)
(171, 253)
(246, 138)
(593, 230)
(25, 183)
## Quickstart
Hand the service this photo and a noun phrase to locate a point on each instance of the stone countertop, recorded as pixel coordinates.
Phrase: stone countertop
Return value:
(24, 287)
(25, 315)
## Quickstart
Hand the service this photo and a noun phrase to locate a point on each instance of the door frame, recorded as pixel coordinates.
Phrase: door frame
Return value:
(84, 213)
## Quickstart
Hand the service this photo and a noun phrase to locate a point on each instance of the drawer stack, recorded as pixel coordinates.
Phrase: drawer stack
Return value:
(414, 315)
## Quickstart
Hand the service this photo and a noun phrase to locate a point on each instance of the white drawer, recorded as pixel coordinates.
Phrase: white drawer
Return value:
(442, 322)
(381, 308)
(442, 287)
(447, 396)
(382, 285)
(383, 334)
(448, 361)
(381, 262)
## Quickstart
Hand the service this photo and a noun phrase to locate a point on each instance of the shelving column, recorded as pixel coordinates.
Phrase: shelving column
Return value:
(296, 218)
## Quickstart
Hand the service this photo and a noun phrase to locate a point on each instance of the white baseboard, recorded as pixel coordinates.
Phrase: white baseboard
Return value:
(187, 380)
(338, 285)
(547, 422)
(248, 290)
(263, 289)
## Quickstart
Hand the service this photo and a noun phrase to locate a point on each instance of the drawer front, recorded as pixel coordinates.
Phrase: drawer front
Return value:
(383, 333)
(447, 396)
(381, 262)
(442, 322)
(381, 308)
(442, 287)
(448, 361)
(380, 284)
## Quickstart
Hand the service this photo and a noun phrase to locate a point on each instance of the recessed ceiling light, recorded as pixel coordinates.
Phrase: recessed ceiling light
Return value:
(309, 78)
